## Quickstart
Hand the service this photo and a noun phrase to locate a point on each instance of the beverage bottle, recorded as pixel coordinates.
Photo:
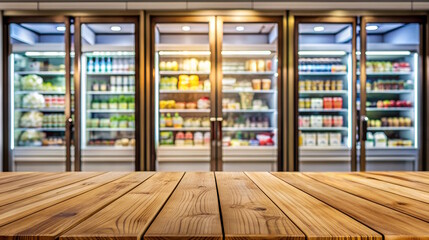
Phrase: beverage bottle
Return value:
(103, 65)
(96, 65)
(126, 64)
(90, 67)
(168, 120)
(162, 120)
(109, 65)
(125, 84)
(119, 84)
(132, 87)
(177, 121)
(120, 66)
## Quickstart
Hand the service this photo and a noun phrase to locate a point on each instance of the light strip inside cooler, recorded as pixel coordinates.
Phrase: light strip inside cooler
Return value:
(12, 100)
(416, 101)
(350, 99)
(157, 77)
(83, 88)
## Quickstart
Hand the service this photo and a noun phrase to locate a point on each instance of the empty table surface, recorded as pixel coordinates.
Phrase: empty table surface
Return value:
(214, 205)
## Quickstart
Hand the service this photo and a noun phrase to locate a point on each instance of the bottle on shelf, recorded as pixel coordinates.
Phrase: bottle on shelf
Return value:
(102, 65)
(96, 65)
(90, 64)
(109, 64)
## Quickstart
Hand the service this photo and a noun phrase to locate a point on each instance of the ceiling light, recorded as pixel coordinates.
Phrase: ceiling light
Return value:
(239, 28)
(61, 28)
(186, 28)
(231, 53)
(115, 28)
(371, 27)
(319, 29)
(321, 53)
(184, 53)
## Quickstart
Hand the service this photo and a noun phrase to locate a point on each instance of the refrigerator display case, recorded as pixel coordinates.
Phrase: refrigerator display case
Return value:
(184, 95)
(107, 90)
(325, 88)
(215, 106)
(249, 83)
(390, 94)
(37, 93)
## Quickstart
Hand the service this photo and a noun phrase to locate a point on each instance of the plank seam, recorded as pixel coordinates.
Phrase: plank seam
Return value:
(220, 208)
(162, 206)
(57, 187)
(1, 225)
(397, 210)
(101, 207)
(379, 177)
(306, 237)
(382, 235)
(376, 179)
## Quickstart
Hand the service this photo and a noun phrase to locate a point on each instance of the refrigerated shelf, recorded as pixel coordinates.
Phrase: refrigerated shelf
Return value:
(184, 129)
(238, 129)
(249, 110)
(110, 110)
(390, 128)
(184, 110)
(109, 73)
(43, 73)
(184, 91)
(109, 93)
(323, 128)
(39, 109)
(387, 73)
(322, 73)
(42, 129)
(40, 92)
(389, 91)
(250, 91)
(110, 129)
(371, 109)
(182, 72)
(324, 93)
(324, 110)
(248, 73)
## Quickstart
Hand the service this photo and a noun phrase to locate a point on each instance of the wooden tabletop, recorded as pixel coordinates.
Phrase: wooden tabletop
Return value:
(230, 205)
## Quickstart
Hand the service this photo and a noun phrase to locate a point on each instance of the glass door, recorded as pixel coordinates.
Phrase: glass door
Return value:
(325, 79)
(38, 73)
(249, 81)
(390, 89)
(184, 95)
(107, 96)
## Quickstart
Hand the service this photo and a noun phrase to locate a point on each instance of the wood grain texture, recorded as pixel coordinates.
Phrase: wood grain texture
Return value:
(405, 176)
(315, 218)
(44, 186)
(392, 224)
(385, 186)
(248, 213)
(31, 181)
(129, 216)
(403, 204)
(8, 177)
(191, 212)
(32, 204)
(398, 181)
(51, 222)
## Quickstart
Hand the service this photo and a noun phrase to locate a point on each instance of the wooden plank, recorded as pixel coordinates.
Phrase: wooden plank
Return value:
(32, 204)
(398, 181)
(35, 179)
(405, 176)
(403, 204)
(7, 177)
(248, 212)
(298, 206)
(51, 222)
(388, 187)
(130, 215)
(390, 223)
(41, 187)
(191, 212)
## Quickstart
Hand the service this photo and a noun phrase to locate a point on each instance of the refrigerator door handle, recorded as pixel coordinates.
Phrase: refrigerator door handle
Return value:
(219, 143)
(364, 121)
(69, 122)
